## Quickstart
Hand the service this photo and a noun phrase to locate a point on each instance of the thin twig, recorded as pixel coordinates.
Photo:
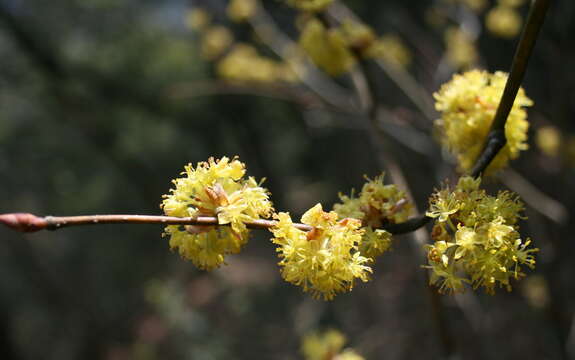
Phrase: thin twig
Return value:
(496, 139)
(24, 222)
(535, 198)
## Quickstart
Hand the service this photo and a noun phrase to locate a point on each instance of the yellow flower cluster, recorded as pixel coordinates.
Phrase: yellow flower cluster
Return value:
(334, 50)
(310, 5)
(327, 48)
(476, 239)
(468, 104)
(376, 205)
(214, 188)
(327, 345)
(244, 64)
(504, 20)
(325, 260)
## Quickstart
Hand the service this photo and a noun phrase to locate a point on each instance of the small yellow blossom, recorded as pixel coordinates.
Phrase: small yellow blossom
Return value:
(503, 21)
(244, 64)
(357, 35)
(310, 5)
(327, 48)
(241, 10)
(461, 51)
(468, 104)
(327, 345)
(391, 49)
(325, 260)
(197, 19)
(479, 242)
(548, 140)
(376, 205)
(215, 40)
(215, 188)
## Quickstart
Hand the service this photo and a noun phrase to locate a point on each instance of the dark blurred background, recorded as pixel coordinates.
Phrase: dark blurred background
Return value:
(102, 103)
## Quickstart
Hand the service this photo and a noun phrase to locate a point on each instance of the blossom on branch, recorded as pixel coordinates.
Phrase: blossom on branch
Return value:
(468, 104)
(214, 188)
(476, 239)
(376, 205)
(325, 260)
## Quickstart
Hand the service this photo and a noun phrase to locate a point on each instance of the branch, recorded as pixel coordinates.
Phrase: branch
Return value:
(24, 222)
(496, 139)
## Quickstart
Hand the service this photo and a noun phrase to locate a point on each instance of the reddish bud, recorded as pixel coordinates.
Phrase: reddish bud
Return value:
(24, 222)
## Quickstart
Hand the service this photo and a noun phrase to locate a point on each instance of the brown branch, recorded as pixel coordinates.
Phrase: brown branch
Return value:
(24, 222)
(496, 139)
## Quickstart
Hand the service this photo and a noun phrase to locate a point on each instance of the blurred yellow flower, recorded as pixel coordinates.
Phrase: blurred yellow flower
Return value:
(327, 345)
(244, 64)
(391, 49)
(460, 48)
(548, 140)
(241, 10)
(327, 48)
(503, 21)
(215, 40)
(197, 19)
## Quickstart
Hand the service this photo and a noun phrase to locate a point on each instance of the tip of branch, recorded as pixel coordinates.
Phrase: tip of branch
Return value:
(23, 222)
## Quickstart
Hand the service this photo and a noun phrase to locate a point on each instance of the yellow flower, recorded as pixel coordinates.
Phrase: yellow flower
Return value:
(310, 5)
(468, 104)
(503, 21)
(197, 19)
(214, 188)
(325, 260)
(391, 49)
(327, 48)
(374, 242)
(327, 345)
(357, 35)
(376, 205)
(460, 48)
(244, 64)
(241, 10)
(548, 140)
(479, 243)
(215, 40)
